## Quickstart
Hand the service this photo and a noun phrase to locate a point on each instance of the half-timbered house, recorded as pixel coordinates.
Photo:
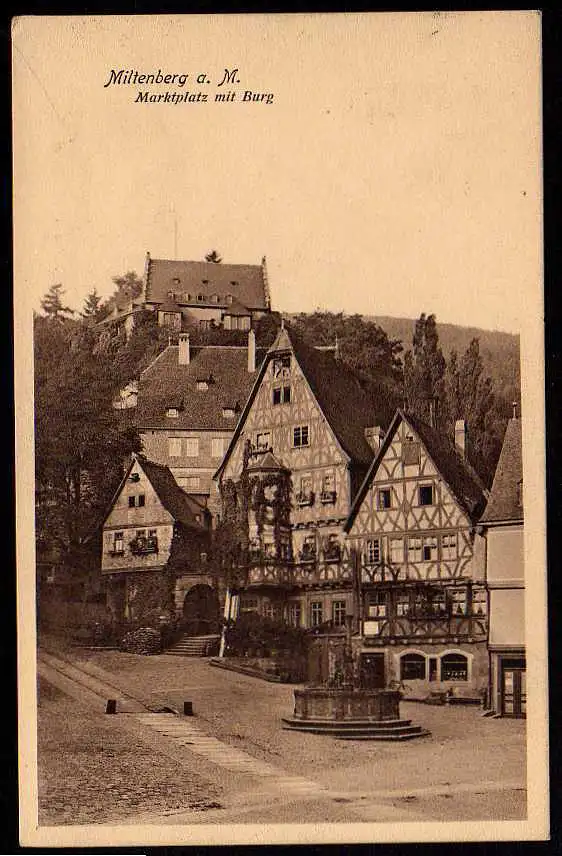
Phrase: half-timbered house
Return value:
(300, 450)
(422, 597)
(155, 545)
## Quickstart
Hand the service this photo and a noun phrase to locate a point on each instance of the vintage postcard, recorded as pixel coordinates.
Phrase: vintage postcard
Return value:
(280, 428)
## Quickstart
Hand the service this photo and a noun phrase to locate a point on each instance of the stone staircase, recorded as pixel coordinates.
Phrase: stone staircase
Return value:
(389, 729)
(195, 646)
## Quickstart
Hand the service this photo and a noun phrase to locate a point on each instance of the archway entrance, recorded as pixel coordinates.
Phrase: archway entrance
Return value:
(201, 611)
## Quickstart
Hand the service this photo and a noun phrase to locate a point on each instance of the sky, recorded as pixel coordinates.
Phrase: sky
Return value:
(397, 169)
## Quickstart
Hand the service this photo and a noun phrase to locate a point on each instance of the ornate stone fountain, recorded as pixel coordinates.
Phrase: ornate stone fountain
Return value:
(334, 702)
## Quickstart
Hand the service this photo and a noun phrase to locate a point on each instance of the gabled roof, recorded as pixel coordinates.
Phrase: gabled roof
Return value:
(246, 283)
(462, 479)
(236, 308)
(505, 496)
(179, 504)
(265, 463)
(165, 381)
(348, 402)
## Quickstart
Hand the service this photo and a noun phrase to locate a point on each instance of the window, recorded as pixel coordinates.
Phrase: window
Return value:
(137, 501)
(131, 502)
(454, 667)
(192, 447)
(200, 298)
(202, 385)
(229, 412)
(412, 667)
(229, 298)
(414, 549)
(174, 447)
(282, 395)
(338, 612)
(402, 604)
(316, 613)
(118, 544)
(295, 614)
(172, 412)
(449, 547)
(248, 604)
(282, 366)
(429, 549)
(141, 500)
(479, 602)
(396, 551)
(300, 436)
(308, 551)
(384, 498)
(373, 551)
(305, 495)
(263, 441)
(458, 602)
(377, 607)
(192, 484)
(217, 447)
(328, 494)
(332, 548)
(425, 494)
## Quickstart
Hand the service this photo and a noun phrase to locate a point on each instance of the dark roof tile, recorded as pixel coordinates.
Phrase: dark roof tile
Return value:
(245, 282)
(505, 496)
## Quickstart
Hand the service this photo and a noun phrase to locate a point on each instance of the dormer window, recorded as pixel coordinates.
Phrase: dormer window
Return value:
(176, 280)
(186, 296)
(214, 298)
(229, 298)
(202, 385)
(200, 298)
(172, 295)
(229, 412)
(205, 281)
(172, 412)
(234, 282)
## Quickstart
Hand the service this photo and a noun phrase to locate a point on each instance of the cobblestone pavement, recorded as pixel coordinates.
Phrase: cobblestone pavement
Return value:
(457, 773)
(91, 771)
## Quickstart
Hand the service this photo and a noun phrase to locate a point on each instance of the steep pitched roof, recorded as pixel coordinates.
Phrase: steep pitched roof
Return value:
(183, 508)
(462, 479)
(165, 382)
(246, 283)
(348, 402)
(505, 496)
(180, 505)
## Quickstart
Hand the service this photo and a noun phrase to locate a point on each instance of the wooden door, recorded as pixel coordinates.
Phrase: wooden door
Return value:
(513, 688)
(372, 671)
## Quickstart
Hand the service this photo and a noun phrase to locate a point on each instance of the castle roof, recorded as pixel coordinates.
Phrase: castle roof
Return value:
(247, 284)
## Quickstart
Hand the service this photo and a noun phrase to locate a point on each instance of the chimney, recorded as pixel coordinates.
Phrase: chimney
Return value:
(183, 351)
(251, 351)
(461, 431)
(514, 409)
(374, 437)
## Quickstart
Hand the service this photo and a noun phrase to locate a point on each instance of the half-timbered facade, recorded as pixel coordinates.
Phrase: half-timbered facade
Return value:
(299, 453)
(419, 564)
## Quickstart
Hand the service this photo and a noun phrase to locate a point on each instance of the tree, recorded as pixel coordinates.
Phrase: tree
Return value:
(213, 257)
(129, 285)
(424, 367)
(52, 304)
(92, 306)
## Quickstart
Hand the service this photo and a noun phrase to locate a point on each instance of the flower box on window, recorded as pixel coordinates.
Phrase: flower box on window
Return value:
(305, 498)
(117, 551)
(142, 546)
(328, 497)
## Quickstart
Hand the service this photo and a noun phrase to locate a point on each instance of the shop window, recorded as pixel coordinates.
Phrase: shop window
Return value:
(412, 667)
(454, 667)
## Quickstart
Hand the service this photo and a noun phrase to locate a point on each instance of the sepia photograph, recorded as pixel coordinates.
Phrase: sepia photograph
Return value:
(279, 379)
